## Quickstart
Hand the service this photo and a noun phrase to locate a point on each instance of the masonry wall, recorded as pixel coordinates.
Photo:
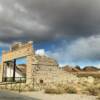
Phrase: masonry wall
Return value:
(25, 50)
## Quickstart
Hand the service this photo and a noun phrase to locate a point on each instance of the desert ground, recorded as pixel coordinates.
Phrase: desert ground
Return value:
(42, 96)
(7, 95)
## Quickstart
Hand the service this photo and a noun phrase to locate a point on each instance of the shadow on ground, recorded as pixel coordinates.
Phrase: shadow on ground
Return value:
(6, 95)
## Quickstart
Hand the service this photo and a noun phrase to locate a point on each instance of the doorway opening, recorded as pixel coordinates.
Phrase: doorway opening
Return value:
(15, 70)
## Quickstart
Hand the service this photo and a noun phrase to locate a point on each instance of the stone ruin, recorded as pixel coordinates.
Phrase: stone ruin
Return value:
(42, 68)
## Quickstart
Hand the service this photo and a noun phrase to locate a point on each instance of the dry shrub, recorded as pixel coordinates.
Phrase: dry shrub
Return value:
(98, 98)
(68, 88)
(93, 90)
(54, 91)
(71, 89)
(60, 89)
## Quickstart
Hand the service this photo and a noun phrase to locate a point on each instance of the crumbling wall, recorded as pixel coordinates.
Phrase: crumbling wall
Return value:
(19, 51)
(40, 68)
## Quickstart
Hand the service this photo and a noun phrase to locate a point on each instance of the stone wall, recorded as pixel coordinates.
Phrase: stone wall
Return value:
(25, 50)
(42, 69)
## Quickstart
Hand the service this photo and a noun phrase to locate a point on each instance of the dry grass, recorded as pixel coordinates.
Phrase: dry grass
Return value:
(71, 90)
(86, 88)
(98, 98)
(54, 91)
(93, 90)
(86, 74)
(60, 89)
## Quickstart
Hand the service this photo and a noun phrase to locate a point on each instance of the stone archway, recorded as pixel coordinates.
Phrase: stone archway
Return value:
(18, 50)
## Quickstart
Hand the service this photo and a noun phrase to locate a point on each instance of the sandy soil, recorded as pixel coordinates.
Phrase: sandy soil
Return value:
(42, 96)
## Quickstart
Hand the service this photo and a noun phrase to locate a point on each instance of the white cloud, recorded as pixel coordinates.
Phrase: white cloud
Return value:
(40, 52)
(98, 66)
(85, 49)
(81, 50)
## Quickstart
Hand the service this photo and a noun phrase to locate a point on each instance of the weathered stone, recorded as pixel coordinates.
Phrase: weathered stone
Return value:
(40, 70)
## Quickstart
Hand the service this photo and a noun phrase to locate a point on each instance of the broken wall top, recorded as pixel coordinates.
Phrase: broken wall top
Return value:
(18, 51)
(44, 60)
(18, 45)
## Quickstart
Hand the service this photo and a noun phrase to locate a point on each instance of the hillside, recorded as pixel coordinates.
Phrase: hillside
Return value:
(69, 68)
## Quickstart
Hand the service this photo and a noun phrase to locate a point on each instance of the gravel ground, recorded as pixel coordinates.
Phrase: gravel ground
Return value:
(42, 96)
(7, 95)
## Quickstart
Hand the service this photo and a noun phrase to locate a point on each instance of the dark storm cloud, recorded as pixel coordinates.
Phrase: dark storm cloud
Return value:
(40, 20)
(68, 17)
(48, 19)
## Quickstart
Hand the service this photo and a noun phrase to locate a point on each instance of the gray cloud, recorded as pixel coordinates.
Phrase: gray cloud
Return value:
(80, 50)
(48, 19)
(39, 20)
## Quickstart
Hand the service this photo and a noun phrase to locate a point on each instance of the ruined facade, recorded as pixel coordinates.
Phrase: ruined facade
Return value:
(35, 64)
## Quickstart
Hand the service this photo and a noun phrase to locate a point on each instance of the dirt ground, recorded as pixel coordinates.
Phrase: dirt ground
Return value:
(42, 96)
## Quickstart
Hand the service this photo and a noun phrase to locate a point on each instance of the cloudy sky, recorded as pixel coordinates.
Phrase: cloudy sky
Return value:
(68, 30)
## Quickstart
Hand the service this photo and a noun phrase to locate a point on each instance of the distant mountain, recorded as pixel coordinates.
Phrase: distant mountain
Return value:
(90, 69)
(70, 69)
(77, 68)
(21, 69)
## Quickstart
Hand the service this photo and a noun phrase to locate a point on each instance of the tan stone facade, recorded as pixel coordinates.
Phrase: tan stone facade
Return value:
(34, 63)
(41, 69)
(24, 50)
